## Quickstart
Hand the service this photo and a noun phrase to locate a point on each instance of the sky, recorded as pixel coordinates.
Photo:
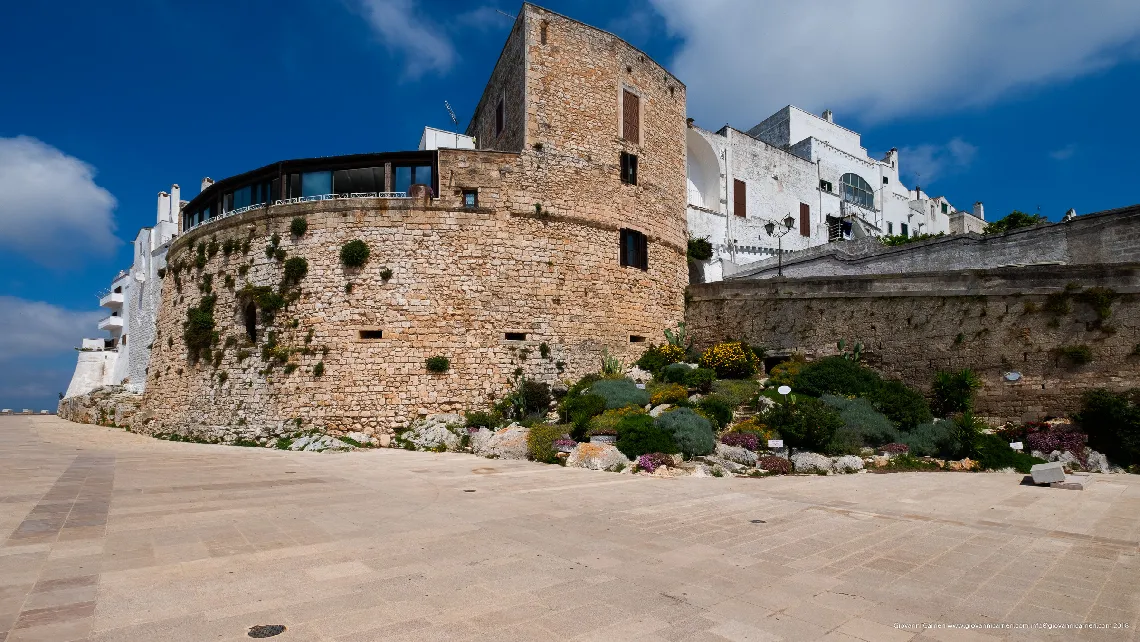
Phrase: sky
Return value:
(1021, 104)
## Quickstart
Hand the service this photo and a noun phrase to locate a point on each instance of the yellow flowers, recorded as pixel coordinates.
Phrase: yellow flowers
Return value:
(731, 360)
(672, 353)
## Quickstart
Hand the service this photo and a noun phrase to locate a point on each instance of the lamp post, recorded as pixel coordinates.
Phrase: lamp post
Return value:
(771, 228)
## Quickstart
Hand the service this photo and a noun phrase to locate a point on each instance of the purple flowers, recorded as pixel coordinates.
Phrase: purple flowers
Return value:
(895, 448)
(773, 464)
(748, 440)
(565, 443)
(1061, 440)
(652, 461)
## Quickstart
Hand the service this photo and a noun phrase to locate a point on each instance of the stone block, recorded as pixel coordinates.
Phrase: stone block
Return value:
(1048, 473)
(1073, 482)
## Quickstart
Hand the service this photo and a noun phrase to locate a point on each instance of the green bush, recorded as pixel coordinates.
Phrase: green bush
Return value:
(785, 372)
(319, 369)
(731, 360)
(607, 422)
(535, 397)
(298, 226)
(836, 376)
(481, 419)
(670, 393)
(198, 331)
(583, 384)
(717, 409)
(657, 357)
(737, 392)
(953, 392)
(992, 452)
(937, 438)
(805, 423)
(438, 364)
(862, 424)
(674, 373)
(638, 434)
(295, 269)
(1014, 220)
(1112, 422)
(354, 253)
(619, 393)
(579, 409)
(692, 433)
(700, 249)
(902, 405)
(700, 379)
(540, 441)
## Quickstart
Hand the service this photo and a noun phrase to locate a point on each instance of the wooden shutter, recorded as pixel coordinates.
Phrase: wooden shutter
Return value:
(805, 219)
(739, 198)
(631, 116)
(644, 249)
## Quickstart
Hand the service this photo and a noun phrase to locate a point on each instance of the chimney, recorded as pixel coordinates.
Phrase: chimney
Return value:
(918, 192)
(175, 202)
(979, 210)
(163, 207)
(206, 182)
(828, 116)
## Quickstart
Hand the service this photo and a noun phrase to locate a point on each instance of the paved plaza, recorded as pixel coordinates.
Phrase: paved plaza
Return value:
(107, 535)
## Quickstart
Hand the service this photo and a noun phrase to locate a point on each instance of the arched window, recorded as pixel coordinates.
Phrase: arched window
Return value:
(857, 191)
(251, 321)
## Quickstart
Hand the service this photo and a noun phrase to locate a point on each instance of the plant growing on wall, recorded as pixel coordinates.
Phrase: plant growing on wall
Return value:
(212, 248)
(295, 269)
(354, 253)
(198, 330)
(1077, 355)
(438, 364)
(385, 274)
(700, 249)
(319, 369)
(1100, 300)
(1013, 221)
(229, 246)
(298, 226)
(207, 284)
(200, 257)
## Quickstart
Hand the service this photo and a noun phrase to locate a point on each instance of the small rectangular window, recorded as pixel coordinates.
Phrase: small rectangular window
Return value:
(470, 198)
(542, 31)
(634, 250)
(903, 227)
(636, 338)
(371, 334)
(890, 228)
(739, 198)
(515, 336)
(628, 168)
(945, 208)
(825, 186)
(500, 118)
(886, 180)
(631, 116)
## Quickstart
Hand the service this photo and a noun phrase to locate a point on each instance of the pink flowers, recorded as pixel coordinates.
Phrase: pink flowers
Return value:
(650, 462)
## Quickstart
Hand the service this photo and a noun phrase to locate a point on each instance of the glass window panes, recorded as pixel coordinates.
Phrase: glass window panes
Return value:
(402, 176)
(241, 198)
(316, 183)
(857, 191)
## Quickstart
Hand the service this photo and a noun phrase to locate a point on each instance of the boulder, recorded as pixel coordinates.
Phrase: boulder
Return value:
(847, 464)
(638, 375)
(695, 397)
(725, 465)
(434, 432)
(504, 443)
(763, 403)
(597, 457)
(657, 410)
(361, 438)
(1098, 463)
(736, 454)
(319, 444)
(811, 463)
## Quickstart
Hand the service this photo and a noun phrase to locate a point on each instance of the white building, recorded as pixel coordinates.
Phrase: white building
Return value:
(132, 304)
(804, 169)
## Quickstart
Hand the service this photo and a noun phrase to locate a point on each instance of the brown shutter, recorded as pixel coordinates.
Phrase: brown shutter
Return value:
(631, 116)
(805, 219)
(739, 198)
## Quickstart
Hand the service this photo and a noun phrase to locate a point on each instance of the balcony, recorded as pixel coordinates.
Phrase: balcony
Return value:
(111, 323)
(299, 199)
(113, 300)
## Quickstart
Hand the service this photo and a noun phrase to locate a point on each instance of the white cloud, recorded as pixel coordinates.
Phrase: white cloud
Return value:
(408, 33)
(924, 164)
(50, 207)
(38, 329)
(1065, 153)
(877, 59)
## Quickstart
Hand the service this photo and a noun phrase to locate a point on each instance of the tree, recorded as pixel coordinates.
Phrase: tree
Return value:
(1013, 221)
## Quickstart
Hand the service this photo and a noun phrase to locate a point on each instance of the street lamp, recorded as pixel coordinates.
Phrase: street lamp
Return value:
(778, 231)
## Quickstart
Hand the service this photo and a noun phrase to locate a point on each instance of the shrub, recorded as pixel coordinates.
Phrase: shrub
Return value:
(837, 376)
(650, 462)
(638, 434)
(295, 269)
(385, 274)
(954, 391)
(993, 453)
(438, 364)
(229, 246)
(670, 393)
(805, 423)
(902, 405)
(753, 426)
(1100, 300)
(619, 393)
(747, 440)
(700, 379)
(535, 397)
(785, 372)
(731, 360)
(775, 465)
(700, 249)
(717, 409)
(583, 384)
(692, 432)
(906, 463)
(354, 253)
(198, 330)
(1014, 220)
(737, 392)
(540, 442)
(606, 423)
(861, 422)
(1060, 439)
(481, 419)
(895, 448)
(298, 226)
(932, 439)
(611, 365)
(674, 373)
(319, 369)
(655, 358)
(579, 409)
(1112, 421)
(1078, 355)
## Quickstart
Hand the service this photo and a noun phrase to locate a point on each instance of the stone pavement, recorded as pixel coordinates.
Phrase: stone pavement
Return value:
(107, 535)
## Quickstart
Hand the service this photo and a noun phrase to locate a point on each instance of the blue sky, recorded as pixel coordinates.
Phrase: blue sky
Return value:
(1021, 104)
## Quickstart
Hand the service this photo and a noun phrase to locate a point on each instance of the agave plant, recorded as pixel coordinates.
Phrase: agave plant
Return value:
(676, 338)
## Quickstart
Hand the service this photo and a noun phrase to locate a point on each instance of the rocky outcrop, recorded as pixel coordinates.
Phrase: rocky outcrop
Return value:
(736, 454)
(435, 432)
(504, 443)
(847, 464)
(811, 463)
(106, 406)
(319, 443)
(597, 457)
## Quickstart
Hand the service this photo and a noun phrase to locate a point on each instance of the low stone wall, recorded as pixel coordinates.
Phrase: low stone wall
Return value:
(105, 406)
(911, 326)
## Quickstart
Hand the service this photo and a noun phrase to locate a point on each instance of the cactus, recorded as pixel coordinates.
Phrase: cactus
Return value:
(676, 338)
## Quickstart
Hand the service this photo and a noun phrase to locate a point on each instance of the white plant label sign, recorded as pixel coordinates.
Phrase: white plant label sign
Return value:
(775, 443)
(1016, 445)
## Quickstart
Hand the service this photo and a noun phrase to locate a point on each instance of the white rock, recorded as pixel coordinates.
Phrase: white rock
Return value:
(1048, 473)
(695, 397)
(725, 465)
(847, 464)
(657, 410)
(638, 375)
(763, 403)
(361, 438)
(300, 443)
(1098, 463)
(505, 443)
(597, 457)
(736, 454)
(436, 430)
(811, 463)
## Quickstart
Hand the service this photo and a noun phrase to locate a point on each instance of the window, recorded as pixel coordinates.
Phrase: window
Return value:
(857, 191)
(316, 183)
(251, 321)
(890, 228)
(904, 230)
(500, 118)
(630, 116)
(405, 177)
(228, 202)
(886, 180)
(628, 168)
(945, 208)
(636, 338)
(542, 32)
(739, 198)
(515, 336)
(371, 334)
(124, 339)
(365, 180)
(470, 198)
(805, 219)
(825, 186)
(634, 250)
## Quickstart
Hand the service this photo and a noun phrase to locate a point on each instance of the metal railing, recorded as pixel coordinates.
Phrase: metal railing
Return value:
(294, 201)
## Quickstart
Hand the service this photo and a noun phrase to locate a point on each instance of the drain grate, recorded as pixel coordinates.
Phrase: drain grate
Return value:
(266, 630)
